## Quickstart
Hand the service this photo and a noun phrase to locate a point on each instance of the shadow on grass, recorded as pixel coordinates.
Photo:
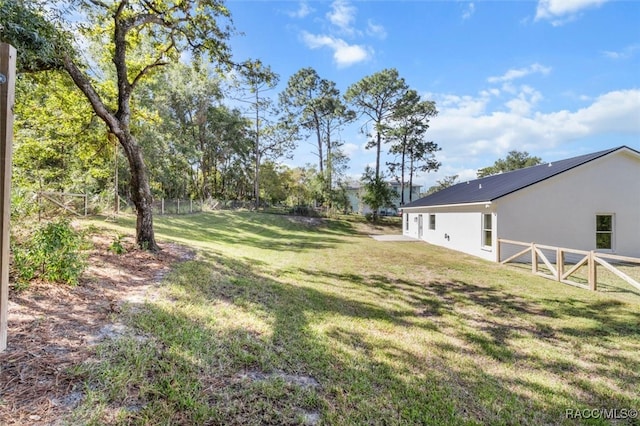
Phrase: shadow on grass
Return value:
(466, 372)
(259, 230)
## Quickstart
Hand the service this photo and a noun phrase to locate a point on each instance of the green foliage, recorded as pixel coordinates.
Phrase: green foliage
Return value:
(116, 246)
(340, 199)
(36, 38)
(514, 160)
(276, 182)
(59, 144)
(443, 183)
(377, 193)
(377, 96)
(315, 106)
(410, 123)
(53, 253)
(22, 203)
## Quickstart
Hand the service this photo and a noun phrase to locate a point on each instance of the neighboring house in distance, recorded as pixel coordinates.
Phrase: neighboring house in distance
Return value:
(590, 202)
(355, 192)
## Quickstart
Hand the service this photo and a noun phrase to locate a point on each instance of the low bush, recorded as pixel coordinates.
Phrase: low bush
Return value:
(53, 253)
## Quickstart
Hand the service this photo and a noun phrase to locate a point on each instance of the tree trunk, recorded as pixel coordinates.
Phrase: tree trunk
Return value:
(140, 193)
(256, 178)
(404, 150)
(411, 179)
(378, 147)
(140, 190)
(319, 138)
(329, 182)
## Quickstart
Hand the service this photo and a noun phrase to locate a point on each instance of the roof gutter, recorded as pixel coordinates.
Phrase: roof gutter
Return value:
(479, 203)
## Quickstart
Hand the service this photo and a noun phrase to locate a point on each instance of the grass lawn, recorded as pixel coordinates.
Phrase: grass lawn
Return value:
(280, 322)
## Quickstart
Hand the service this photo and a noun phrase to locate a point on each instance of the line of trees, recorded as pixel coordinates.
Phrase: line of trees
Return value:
(209, 129)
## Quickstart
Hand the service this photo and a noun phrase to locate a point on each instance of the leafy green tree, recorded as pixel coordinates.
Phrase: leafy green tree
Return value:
(138, 37)
(59, 144)
(377, 96)
(377, 192)
(513, 161)
(230, 150)
(186, 99)
(274, 136)
(410, 121)
(443, 183)
(38, 41)
(277, 182)
(314, 105)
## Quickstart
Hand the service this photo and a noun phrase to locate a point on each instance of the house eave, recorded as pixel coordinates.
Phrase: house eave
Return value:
(479, 203)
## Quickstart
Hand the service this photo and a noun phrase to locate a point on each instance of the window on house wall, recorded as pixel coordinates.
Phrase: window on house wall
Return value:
(604, 231)
(487, 230)
(406, 221)
(432, 221)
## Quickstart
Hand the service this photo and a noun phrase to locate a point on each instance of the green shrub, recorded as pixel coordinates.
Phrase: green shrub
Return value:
(53, 253)
(116, 246)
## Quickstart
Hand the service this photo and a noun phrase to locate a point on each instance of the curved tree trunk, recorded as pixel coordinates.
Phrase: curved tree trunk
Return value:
(140, 189)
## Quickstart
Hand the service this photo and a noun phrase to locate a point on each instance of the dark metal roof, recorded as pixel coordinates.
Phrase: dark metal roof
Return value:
(493, 187)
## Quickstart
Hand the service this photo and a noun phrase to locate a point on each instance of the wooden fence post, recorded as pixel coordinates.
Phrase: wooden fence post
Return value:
(7, 95)
(559, 263)
(593, 272)
(534, 259)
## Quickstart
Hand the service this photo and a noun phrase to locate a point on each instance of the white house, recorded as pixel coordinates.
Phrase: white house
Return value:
(590, 202)
(355, 192)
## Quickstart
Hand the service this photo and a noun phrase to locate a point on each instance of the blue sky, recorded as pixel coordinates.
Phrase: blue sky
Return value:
(555, 78)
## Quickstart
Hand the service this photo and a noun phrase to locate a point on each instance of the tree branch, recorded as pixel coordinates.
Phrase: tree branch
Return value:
(84, 84)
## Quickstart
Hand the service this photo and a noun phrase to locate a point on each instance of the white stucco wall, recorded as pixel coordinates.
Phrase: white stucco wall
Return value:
(461, 224)
(561, 211)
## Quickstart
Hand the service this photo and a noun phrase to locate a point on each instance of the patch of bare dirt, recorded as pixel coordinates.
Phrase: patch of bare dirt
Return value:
(53, 327)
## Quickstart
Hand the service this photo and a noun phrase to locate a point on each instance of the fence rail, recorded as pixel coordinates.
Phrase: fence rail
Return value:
(559, 271)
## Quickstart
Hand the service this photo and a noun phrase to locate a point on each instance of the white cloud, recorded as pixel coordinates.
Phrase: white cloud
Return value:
(514, 74)
(469, 11)
(375, 30)
(498, 132)
(563, 11)
(349, 149)
(342, 15)
(303, 10)
(466, 106)
(344, 54)
(625, 53)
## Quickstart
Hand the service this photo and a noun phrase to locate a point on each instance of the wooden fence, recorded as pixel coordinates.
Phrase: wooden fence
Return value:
(561, 270)
(61, 199)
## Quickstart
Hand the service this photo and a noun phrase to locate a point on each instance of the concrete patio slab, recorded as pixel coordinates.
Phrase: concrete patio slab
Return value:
(393, 238)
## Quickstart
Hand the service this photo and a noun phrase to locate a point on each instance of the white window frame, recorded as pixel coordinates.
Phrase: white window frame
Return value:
(432, 221)
(612, 232)
(484, 231)
(406, 221)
